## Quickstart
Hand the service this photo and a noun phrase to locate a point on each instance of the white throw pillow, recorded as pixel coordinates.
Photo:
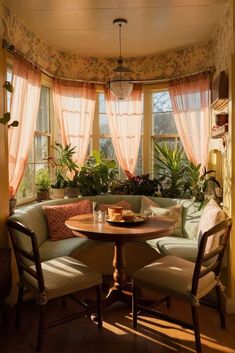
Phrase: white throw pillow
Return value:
(174, 212)
(211, 215)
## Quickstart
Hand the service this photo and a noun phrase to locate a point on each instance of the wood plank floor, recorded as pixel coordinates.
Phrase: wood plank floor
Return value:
(117, 335)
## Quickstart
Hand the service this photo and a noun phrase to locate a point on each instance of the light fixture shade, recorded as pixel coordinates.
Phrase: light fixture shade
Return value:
(121, 89)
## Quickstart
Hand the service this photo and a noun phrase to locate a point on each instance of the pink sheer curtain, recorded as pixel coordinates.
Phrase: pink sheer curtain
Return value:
(190, 97)
(125, 118)
(24, 108)
(74, 106)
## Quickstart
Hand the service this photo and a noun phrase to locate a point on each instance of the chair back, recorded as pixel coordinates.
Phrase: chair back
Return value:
(27, 257)
(210, 258)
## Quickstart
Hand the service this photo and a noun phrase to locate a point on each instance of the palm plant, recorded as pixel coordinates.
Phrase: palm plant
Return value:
(62, 163)
(171, 163)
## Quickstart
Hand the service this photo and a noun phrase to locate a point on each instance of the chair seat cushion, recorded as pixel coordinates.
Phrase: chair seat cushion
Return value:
(63, 275)
(172, 275)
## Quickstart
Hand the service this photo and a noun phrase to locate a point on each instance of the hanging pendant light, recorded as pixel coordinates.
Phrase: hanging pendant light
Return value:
(120, 85)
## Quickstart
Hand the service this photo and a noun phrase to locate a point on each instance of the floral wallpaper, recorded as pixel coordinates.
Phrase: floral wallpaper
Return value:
(62, 64)
(222, 41)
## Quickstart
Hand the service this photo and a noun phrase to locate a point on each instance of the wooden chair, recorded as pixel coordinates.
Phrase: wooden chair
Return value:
(176, 277)
(50, 279)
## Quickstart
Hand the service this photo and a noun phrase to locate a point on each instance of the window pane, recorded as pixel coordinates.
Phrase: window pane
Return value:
(139, 165)
(106, 148)
(102, 105)
(103, 120)
(104, 127)
(26, 189)
(44, 110)
(163, 120)
(41, 148)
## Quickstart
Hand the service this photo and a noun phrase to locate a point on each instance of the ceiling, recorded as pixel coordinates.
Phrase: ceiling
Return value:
(85, 27)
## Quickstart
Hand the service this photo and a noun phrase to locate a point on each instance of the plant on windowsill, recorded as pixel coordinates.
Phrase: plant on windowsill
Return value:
(172, 164)
(42, 182)
(73, 186)
(138, 185)
(97, 175)
(61, 165)
(202, 187)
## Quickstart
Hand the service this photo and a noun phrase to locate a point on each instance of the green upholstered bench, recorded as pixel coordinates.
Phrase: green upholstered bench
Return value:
(98, 254)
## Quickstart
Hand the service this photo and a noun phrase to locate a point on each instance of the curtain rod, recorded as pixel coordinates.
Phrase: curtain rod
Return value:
(13, 51)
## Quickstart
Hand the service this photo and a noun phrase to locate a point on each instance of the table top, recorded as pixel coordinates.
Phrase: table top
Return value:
(84, 225)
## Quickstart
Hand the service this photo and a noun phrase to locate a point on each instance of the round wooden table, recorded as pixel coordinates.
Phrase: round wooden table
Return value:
(85, 226)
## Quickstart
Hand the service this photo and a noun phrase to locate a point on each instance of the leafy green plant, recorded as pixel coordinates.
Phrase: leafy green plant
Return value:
(201, 187)
(42, 179)
(61, 164)
(97, 175)
(172, 165)
(137, 185)
(7, 116)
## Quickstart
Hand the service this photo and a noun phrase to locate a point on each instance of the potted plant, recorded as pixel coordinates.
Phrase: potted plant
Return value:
(73, 186)
(172, 165)
(61, 164)
(202, 187)
(97, 175)
(138, 185)
(43, 182)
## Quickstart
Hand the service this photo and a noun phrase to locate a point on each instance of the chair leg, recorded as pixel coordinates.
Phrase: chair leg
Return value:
(99, 305)
(41, 326)
(221, 307)
(134, 306)
(196, 328)
(19, 304)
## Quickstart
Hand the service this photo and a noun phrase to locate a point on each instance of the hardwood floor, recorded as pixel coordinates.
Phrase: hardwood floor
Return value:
(117, 335)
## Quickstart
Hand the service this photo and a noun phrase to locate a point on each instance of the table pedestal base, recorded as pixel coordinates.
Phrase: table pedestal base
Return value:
(115, 295)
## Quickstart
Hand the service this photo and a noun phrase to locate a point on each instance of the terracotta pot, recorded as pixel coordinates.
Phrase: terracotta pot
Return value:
(43, 195)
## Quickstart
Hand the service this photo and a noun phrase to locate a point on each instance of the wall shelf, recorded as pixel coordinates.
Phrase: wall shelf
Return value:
(220, 104)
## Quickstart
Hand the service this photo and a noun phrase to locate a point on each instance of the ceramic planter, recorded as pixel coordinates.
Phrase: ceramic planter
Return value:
(57, 193)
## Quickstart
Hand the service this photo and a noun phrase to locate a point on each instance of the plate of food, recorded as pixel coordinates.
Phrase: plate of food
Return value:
(126, 219)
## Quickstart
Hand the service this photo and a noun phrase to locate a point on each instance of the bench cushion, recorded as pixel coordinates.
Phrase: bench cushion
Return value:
(185, 248)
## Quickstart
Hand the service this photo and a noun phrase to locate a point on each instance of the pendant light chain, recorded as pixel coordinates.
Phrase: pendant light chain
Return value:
(120, 40)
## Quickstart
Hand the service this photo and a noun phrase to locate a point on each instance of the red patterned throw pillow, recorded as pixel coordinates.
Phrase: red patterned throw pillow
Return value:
(124, 204)
(58, 214)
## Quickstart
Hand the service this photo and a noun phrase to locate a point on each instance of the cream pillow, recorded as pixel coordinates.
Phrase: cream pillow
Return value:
(174, 212)
(212, 214)
(147, 204)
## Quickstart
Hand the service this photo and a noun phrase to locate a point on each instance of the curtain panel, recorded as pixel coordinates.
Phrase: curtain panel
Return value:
(190, 97)
(125, 119)
(24, 109)
(74, 107)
